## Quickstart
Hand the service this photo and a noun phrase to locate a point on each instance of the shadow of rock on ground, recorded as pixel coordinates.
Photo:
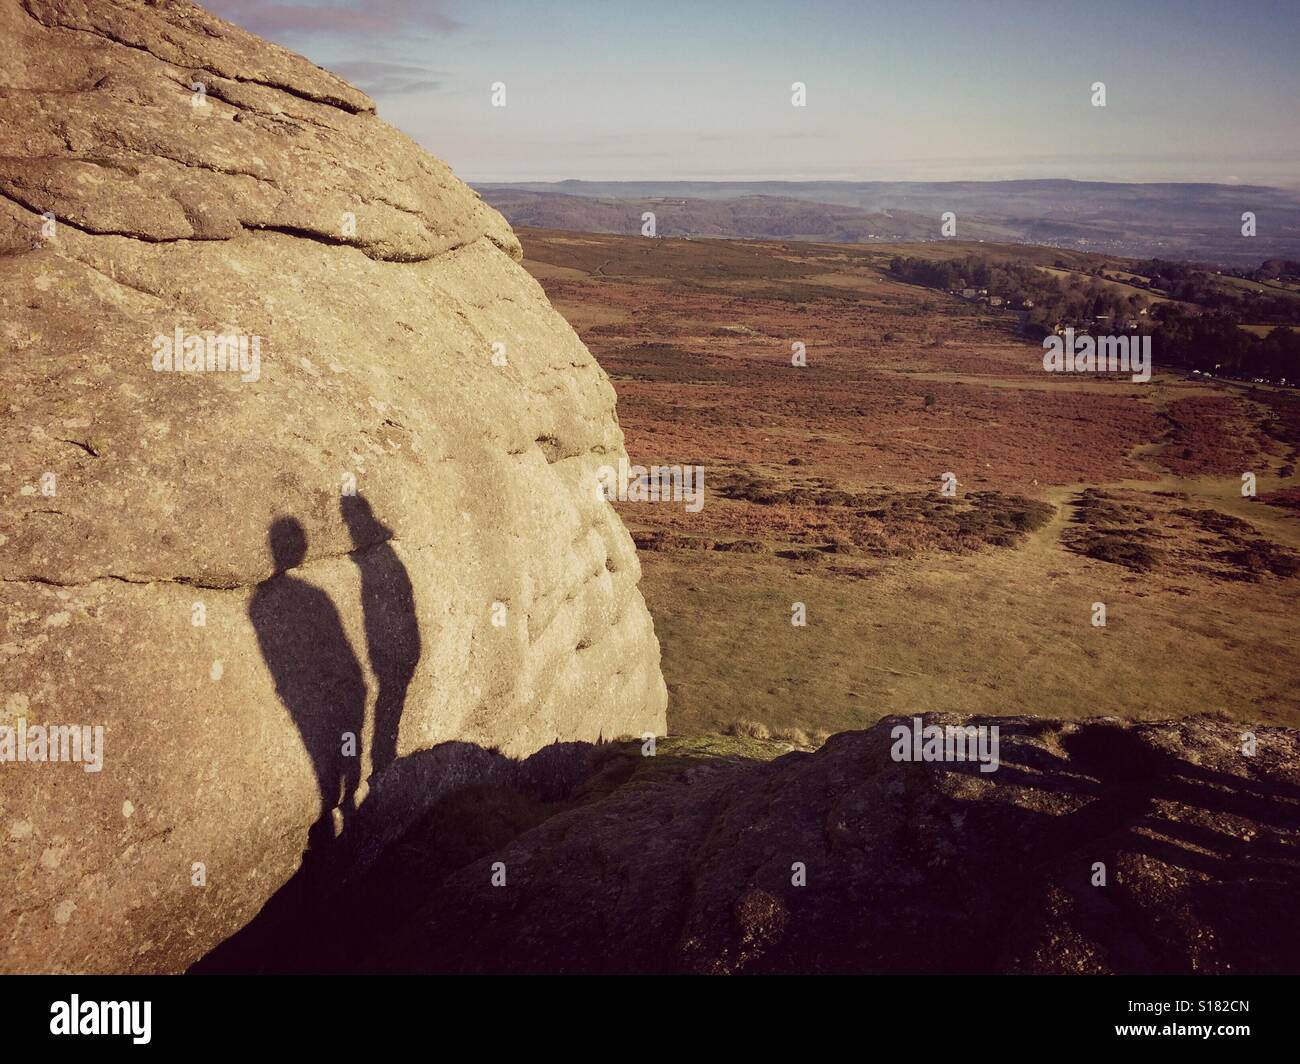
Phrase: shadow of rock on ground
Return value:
(910, 867)
(684, 863)
(327, 917)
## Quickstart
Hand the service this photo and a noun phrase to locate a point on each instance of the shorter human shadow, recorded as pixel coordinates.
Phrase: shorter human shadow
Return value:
(317, 676)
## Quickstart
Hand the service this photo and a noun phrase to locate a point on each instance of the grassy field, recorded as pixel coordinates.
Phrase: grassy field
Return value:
(1002, 631)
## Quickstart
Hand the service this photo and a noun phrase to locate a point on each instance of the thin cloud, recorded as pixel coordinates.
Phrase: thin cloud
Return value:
(355, 17)
(387, 79)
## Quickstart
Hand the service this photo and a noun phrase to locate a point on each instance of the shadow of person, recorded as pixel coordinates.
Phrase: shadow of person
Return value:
(392, 631)
(1136, 804)
(317, 676)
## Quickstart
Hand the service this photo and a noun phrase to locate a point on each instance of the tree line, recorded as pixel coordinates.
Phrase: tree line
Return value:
(1206, 336)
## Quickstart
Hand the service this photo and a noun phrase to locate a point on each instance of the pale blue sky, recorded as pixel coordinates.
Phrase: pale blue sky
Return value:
(909, 89)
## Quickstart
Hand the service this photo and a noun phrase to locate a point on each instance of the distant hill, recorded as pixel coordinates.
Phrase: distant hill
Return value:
(756, 217)
(1186, 221)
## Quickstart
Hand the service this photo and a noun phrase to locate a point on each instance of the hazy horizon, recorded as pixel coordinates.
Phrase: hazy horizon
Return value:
(523, 181)
(933, 92)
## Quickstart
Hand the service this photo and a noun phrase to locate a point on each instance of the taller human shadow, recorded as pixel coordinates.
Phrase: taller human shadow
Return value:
(317, 676)
(392, 631)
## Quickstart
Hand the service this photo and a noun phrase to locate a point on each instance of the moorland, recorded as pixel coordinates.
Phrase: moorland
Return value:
(824, 487)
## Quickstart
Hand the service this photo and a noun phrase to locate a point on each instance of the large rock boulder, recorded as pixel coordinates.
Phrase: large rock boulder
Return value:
(380, 524)
(1094, 847)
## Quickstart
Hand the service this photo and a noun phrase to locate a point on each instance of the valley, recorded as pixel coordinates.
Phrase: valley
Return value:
(824, 488)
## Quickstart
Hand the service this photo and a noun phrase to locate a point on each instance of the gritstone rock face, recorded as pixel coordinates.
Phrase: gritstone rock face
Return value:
(293, 451)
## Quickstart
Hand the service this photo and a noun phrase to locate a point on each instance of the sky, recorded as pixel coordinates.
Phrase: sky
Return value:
(925, 90)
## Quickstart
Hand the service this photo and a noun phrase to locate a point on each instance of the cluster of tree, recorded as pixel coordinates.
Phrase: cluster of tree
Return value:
(1165, 273)
(1010, 280)
(1189, 283)
(1206, 336)
(1075, 300)
(1215, 343)
(1286, 270)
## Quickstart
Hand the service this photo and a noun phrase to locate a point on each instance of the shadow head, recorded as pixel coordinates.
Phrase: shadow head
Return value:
(288, 541)
(366, 529)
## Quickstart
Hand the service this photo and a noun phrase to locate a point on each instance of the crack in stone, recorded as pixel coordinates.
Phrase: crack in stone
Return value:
(80, 228)
(193, 581)
(248, 227)
(83, 445)
(289, 90)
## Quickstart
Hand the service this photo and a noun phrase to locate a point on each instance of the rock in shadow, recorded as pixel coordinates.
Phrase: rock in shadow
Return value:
(1222, 849)
(841, 861)
(1140, 789)
(432, 812)
(911, 867)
